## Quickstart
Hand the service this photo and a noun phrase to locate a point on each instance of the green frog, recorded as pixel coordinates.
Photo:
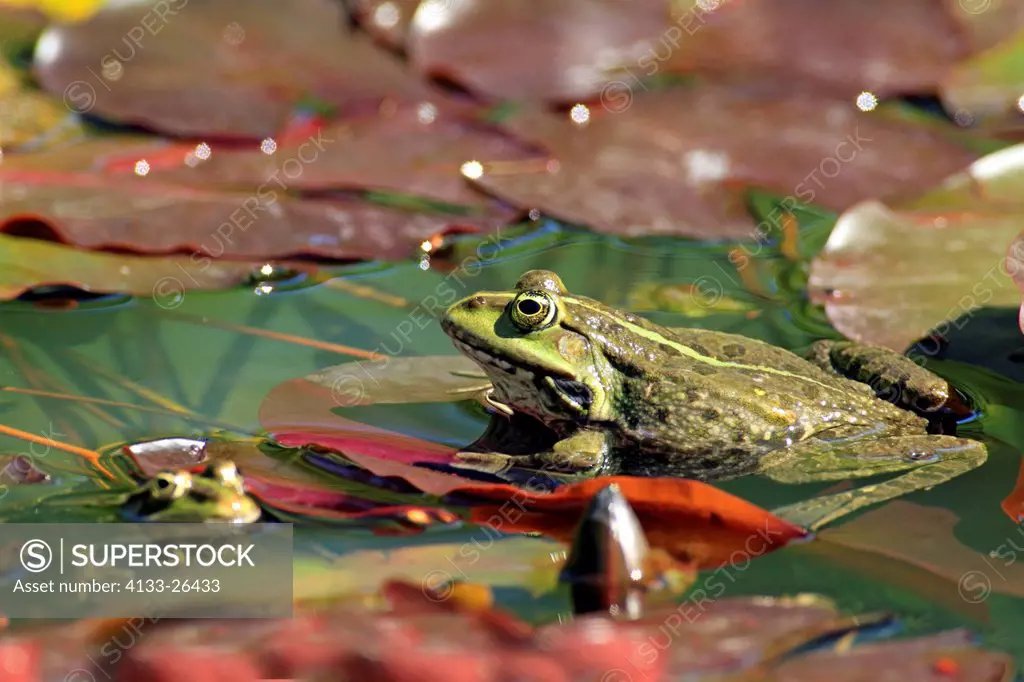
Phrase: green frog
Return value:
(214, 495)
(590, 390)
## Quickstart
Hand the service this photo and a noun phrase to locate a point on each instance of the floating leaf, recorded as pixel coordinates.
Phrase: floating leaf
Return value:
(986, 89)
(386, 20)
(147, 215)
(204, 69)
(691, 520)
(572, 44)
(32, 263)
(889, 276)
(674, 162)
(418, 629)
(415, 150)
(874, 46)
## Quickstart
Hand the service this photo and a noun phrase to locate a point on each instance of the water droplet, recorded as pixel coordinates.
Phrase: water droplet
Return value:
(866, 101)
(580, 114)
(141, 167)
(472, 170)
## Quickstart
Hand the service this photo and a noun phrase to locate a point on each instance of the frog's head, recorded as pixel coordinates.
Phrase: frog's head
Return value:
(540, 359)
(215, 495)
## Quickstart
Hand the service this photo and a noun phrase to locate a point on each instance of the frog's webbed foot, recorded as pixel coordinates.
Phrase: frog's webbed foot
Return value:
(581, 455)
(893, 376)
(931, 460)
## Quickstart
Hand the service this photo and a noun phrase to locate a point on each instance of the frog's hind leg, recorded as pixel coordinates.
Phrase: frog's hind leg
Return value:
(892, 376)
(927, 460)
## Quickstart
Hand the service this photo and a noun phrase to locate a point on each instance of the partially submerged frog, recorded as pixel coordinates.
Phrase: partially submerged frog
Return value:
(215, 495)
(618, 394)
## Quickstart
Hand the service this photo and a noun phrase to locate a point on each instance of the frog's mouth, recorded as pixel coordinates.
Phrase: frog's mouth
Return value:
(573, 393)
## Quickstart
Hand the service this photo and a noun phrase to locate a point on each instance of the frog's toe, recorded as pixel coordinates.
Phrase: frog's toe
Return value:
(486, 462)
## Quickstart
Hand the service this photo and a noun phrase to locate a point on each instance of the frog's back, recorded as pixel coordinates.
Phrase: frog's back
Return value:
(743, 350)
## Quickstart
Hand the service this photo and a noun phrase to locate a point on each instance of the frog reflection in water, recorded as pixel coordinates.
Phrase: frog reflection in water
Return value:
(215, 495)
(618, 394)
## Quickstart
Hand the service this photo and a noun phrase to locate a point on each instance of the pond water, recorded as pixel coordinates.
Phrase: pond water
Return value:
(209, 354)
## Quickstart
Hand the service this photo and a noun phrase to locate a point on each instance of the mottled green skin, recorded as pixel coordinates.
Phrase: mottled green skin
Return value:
(216, 495)
(625, 396)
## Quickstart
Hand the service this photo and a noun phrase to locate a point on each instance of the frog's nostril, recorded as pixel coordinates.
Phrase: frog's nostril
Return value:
(475, 302)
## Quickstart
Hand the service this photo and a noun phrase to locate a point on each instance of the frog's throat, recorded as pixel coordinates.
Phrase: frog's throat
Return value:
(686, 350)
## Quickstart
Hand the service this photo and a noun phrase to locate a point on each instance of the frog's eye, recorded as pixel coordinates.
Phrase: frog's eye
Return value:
(168, 486)
(533, 310)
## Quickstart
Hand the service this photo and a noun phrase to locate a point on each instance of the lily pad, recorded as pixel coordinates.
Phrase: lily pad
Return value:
(986, 89)
(674, 162)
(844, 47)
(222, 68)
(387, 21)
(418, 629)
(692, 521)
(413, 150)
(572, 44)
(147, 215)
(31, 263)
(891, 275)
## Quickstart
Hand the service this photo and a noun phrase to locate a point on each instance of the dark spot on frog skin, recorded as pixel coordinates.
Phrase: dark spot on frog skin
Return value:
(810, 391)
(699, 348)
(703, 370)
(734, 350)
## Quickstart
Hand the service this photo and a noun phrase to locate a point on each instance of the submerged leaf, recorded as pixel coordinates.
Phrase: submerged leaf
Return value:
(220, 68)
(925, 537)
(889, 276)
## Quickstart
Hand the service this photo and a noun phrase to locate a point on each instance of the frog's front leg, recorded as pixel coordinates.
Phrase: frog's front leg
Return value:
(893, 376)
(582, 454)
(930, 459)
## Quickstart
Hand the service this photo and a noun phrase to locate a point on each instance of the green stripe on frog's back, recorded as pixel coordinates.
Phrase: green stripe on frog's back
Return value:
(681, 348)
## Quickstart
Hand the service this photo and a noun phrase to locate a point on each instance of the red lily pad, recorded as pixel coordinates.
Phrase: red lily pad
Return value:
(387, 21)
(222, 68)
(675, 161)
(147, 215)
(891, 275)
(572, 44)
(414, 150)
(432, 638)
(845, 47)
(693, 521)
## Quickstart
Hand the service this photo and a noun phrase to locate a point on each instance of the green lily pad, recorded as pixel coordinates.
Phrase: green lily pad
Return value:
(987, 88)
(891, 275)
